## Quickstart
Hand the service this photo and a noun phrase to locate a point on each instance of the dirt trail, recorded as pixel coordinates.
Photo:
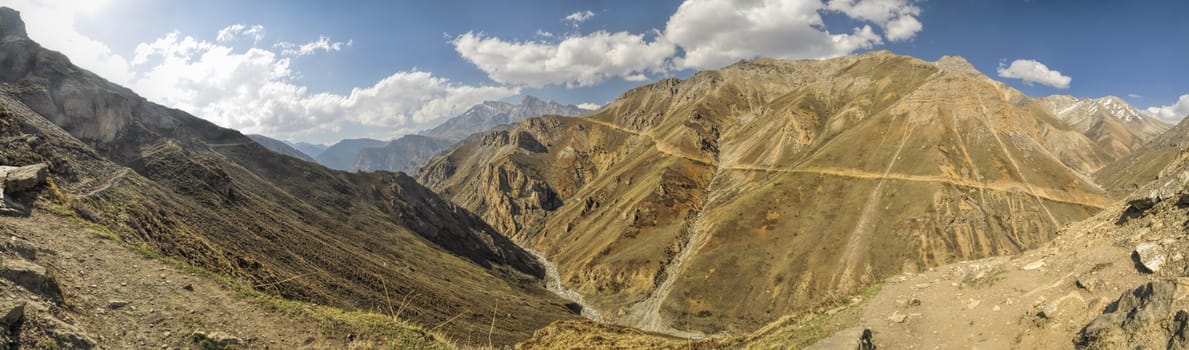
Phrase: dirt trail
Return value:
(1007, 187)
(106, 184)
(165, 305)
(858, 238)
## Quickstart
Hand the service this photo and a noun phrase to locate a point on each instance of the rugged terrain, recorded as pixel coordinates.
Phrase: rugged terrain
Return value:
(342, 155)
(790, 185)
(1119, 279)
(1144, 165)
(182, 188)
(1116, 126)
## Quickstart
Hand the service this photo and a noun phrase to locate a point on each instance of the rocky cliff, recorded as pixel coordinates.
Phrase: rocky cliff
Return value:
(786, 184)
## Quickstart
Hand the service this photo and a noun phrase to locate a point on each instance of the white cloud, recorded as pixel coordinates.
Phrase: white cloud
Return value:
(544, 34)
(590, 106)
(576, 18)
(1172, 113)
(1135, 96)
(719, 32)
(896, 17)
(255, 90)
(229, 33)
(1031, 71)
(576, 60)
(323, 43)
(712, 33)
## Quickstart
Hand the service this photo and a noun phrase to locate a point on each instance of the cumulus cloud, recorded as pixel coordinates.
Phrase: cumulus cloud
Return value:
(229, 33)
(590, 106)
(710, 33)
(322, 44)
(896, 17)
(1171, 113)
(255, 90)
(580, 60)
(1031, 71)
(576, 18)
(718, 32)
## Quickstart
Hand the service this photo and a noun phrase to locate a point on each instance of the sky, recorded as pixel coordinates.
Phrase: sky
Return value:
(322, 71)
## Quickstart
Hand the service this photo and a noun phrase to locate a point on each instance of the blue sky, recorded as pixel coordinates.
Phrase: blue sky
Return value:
(385, 68)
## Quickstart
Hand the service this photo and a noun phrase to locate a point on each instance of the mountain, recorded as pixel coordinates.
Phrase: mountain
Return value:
(1112, 281)
(410, 152)
(342, 155)
(1116, 126)
(403, 154)
(789, 185)
(487, 115)
(1125, 175)
(280, 147)
(310, 149)
(172, 185)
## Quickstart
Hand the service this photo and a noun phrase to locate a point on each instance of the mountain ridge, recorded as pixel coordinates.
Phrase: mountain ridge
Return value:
(691, 172)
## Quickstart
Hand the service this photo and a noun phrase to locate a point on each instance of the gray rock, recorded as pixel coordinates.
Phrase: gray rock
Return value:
(23, 178)
(1151, 256)
(1133, 320)
(11, 313)
(215, 338)
(32, 277)
(116, 304)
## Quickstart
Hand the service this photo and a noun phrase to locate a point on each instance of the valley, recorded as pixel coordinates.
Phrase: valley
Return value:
(852, 198)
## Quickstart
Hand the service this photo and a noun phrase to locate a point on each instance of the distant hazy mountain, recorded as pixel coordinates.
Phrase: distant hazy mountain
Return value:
(1112, 123)
(342, 155)
(311, 149)
(409, 152)
(403, 154)
(279, 147)
(487, 115)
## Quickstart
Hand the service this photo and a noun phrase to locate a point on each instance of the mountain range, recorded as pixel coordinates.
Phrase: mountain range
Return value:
(180, 187)
(788, 184)
(862, 201)
(407, 153)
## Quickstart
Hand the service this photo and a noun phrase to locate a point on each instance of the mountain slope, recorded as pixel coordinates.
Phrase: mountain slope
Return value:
(1116, 126)
(1123, 176)
(488, 115)
(280, 147)
(182, 187)
(342, 155)
(786, 184)
(403, 154)
(310, 149)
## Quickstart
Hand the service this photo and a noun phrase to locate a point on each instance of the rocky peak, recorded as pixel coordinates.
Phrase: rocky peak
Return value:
(11, 24)
(956, 64)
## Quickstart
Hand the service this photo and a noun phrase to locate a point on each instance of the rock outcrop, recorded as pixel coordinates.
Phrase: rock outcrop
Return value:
(1140, 318)
(1116, 126)
(16, 184)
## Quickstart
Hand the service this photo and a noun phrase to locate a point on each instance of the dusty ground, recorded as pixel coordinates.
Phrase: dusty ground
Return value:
(166, 304)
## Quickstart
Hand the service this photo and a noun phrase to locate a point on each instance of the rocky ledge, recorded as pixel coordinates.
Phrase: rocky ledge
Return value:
(16, 185)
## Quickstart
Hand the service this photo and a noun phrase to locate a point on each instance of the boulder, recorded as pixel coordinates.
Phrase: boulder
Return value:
(1136, 319)
(1150, 255)
(11, 315)
(24, 178)
(32, 277)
